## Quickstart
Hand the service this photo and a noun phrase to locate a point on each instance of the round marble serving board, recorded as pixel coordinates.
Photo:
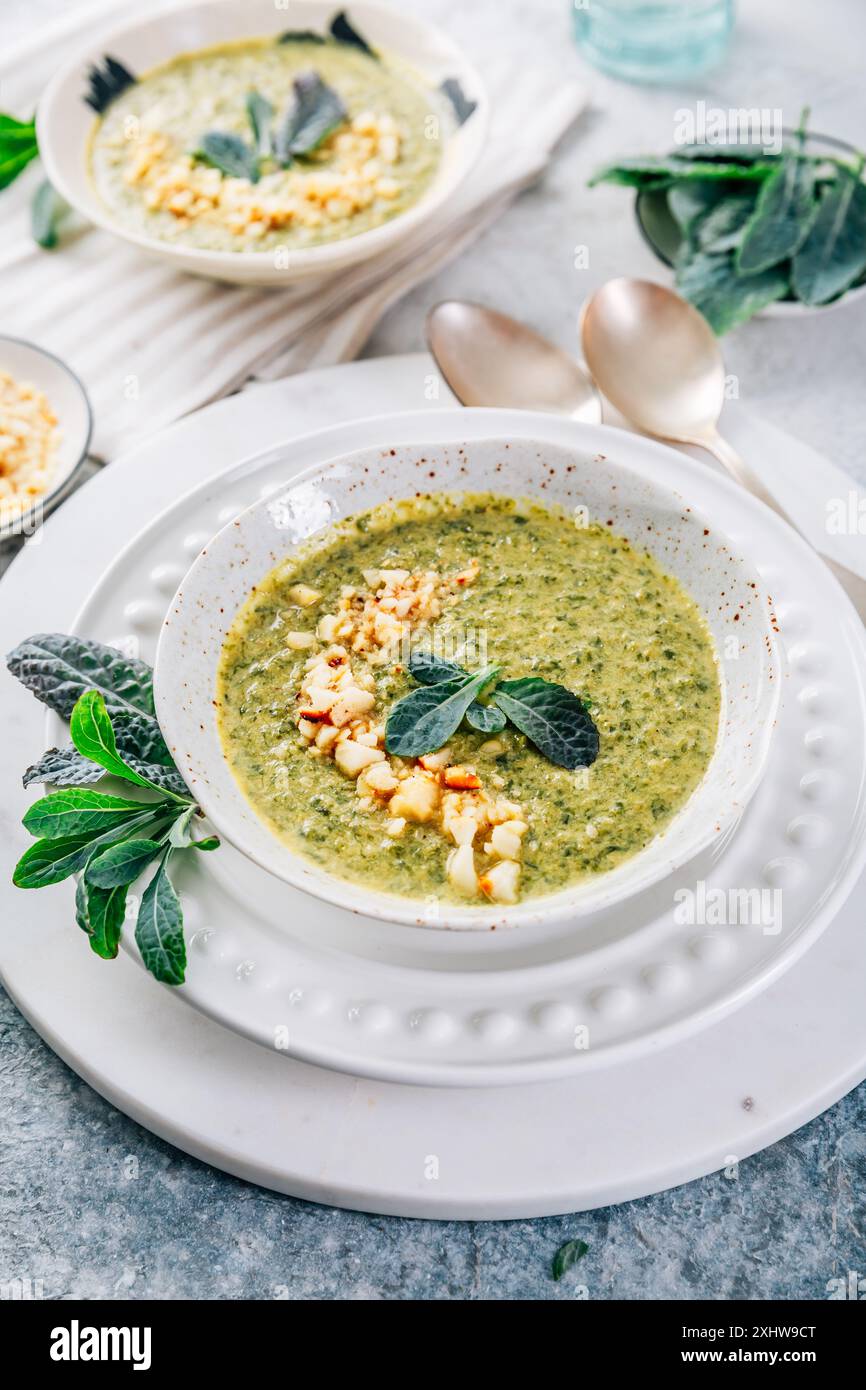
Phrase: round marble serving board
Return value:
(608, 1135)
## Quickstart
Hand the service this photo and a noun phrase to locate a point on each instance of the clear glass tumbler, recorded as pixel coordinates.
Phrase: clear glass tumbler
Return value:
(653, 40)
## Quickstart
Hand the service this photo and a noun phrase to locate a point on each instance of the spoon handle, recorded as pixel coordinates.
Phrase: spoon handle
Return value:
(854, 586)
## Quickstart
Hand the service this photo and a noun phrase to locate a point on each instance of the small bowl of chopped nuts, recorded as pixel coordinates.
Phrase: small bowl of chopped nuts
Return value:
(45, 428)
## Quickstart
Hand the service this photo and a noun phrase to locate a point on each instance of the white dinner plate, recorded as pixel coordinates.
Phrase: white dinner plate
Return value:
(561, 998)
(600, 1137)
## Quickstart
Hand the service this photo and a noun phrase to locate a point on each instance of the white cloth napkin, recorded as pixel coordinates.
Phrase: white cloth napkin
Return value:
(152, 345)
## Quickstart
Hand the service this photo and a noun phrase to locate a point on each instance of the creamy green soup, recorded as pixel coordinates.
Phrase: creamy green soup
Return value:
(515, 584)
(145, 152)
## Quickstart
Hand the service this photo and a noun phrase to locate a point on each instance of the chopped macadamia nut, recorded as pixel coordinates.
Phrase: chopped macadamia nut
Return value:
(395, 604)
(433, 762)
(349, 704)
(318, 697)
(29, 441)
(461, 778)
(504, 842)
(463, 829)
(337, 718)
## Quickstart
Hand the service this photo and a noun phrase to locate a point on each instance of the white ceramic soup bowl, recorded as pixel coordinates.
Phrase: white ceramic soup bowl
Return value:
(65, 121)
(604, 470)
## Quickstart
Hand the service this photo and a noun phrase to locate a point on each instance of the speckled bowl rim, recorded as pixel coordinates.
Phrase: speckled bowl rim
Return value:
(579, 900)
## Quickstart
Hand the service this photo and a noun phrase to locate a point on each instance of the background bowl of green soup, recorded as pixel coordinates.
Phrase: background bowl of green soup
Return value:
(560, 555)
(261, 143)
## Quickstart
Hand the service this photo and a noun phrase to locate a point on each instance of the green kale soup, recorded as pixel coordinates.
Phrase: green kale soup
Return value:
(492, 638)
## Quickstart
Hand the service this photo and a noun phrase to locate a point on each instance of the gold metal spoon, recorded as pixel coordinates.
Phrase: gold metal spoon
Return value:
(490, 359)
(657, 361)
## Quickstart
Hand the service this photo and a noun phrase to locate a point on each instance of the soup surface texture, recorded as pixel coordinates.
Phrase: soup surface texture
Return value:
(481, 579)
(371, 146)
